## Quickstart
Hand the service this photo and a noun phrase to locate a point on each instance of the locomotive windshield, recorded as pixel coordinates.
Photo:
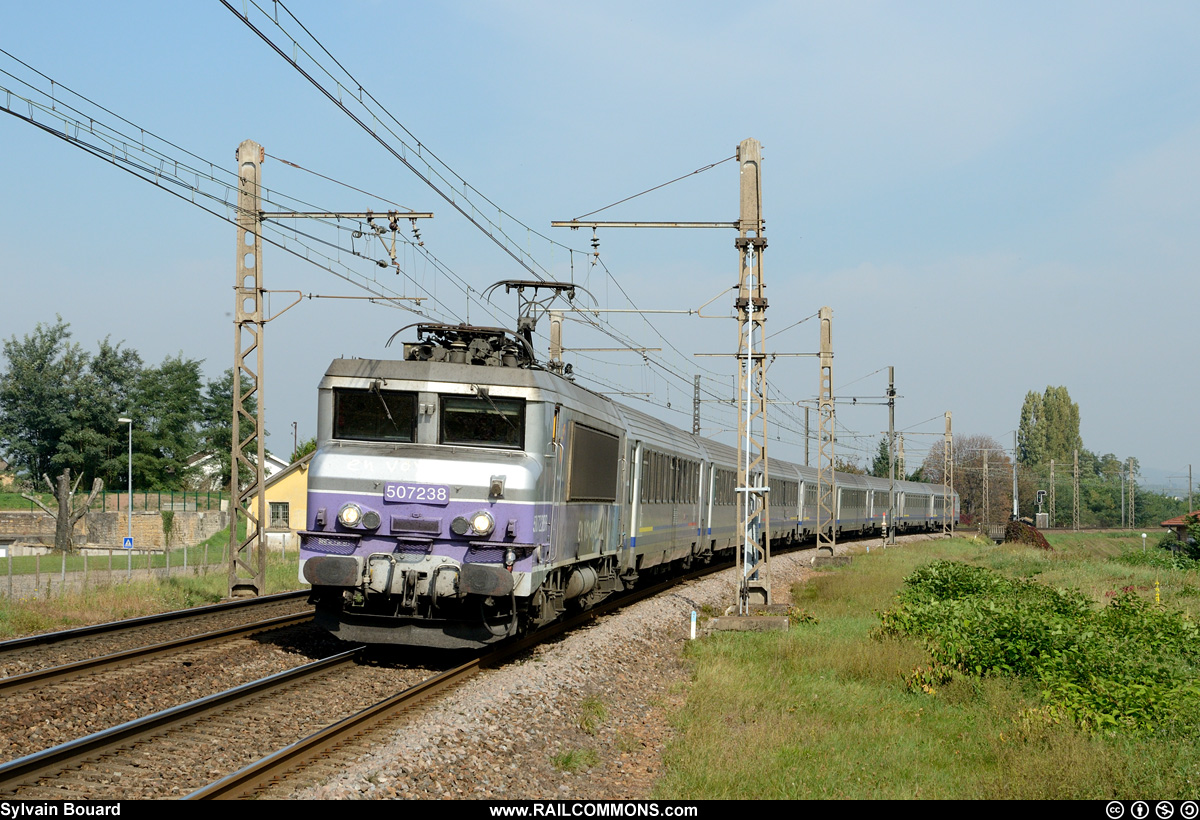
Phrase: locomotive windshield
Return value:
(483, 421)
(374, 415)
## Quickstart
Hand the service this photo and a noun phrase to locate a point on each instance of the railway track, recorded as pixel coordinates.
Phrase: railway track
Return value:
(27, 654)
(65, 685)
(161, 754)
(143, 654)
(324, 749)
(211, 747)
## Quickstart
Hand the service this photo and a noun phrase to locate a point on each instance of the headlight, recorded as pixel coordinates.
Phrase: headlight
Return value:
(483, 523)
(349, 515)
(371, 520)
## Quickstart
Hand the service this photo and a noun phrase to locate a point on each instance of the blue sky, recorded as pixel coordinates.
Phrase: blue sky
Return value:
(993, 198)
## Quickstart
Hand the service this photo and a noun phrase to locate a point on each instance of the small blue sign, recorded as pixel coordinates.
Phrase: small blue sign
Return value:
(127, 543)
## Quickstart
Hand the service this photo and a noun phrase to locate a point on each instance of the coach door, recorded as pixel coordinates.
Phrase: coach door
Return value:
(636, 477)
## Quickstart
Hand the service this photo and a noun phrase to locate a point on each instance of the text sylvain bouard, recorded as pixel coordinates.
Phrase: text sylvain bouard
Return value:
(56, 809)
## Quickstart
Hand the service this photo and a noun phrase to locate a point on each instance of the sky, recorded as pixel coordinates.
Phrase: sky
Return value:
(992, 197)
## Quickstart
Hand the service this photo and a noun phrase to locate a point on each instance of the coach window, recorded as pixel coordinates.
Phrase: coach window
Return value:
(483, 421)
(374, 415)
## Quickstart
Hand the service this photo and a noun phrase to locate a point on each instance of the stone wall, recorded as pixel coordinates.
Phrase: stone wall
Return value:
(31, 527)
(108, 529)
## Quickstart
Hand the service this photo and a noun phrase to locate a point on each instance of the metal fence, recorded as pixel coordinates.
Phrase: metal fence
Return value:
(145, 501)
(44, 575)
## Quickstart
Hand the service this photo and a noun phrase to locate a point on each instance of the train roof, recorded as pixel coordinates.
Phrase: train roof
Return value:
(642, 426)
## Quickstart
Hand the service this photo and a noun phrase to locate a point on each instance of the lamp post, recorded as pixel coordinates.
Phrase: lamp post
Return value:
(129, 500)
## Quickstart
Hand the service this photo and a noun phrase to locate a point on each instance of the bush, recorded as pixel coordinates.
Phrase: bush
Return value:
(1131, 667)
(1018, 532)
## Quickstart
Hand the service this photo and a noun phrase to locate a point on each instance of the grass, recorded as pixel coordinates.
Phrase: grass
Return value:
(828, 711)
(575, 760)
(17, 502)
(138, 596)
(591, 714)
(214, 550)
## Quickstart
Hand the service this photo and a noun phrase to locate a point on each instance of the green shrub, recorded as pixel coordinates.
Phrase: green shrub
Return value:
(1130, 667)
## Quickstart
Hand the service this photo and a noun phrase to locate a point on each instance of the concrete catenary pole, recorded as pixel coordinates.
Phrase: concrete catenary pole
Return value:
(1052, 492)
(826, 490)
(248, 555)
(753, 478)
(1016, 506)
(1132, 488)
(948, 480)
(891, 393)
(1075, 494)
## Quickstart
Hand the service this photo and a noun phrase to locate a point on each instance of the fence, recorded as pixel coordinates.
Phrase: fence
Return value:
(146, 501)
(43, 575)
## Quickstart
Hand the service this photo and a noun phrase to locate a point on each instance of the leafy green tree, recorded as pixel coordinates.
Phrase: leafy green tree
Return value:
(166, 414)
(1031, 436)
(847, 465)
(95, 444)
(37, 396)
(304, 449)
(1049, 428)
(216, 424)
(1060, 416)
(880, 466)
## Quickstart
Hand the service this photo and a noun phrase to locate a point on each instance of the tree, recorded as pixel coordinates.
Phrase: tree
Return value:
(36, 396)
(982, 477)
(1049, 428)
(95, 442)
(166, 414)
(304, 449)
(881, 465)
(67, 515)
(847, 465)
(1031, 436)
(216, 424)
(59, 405)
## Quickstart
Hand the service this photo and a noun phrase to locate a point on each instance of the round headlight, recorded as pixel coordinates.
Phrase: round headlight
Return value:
(482, 523)
(350, 515)
(371, 520)
(460, 526)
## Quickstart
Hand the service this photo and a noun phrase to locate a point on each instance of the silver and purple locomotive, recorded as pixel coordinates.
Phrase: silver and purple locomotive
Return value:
(466, 494)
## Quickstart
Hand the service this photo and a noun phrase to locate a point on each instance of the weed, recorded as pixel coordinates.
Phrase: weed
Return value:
(927, 678)
(797, 616)
(627, 745)
(591, 714)
(575, 760)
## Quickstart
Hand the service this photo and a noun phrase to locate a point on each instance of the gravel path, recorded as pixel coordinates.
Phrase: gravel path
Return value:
(583, 717)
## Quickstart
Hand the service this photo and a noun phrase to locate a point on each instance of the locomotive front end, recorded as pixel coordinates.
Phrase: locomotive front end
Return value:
(424, 500)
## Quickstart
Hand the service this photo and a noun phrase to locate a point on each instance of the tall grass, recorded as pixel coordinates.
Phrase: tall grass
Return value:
(141, 595)
(826, 710)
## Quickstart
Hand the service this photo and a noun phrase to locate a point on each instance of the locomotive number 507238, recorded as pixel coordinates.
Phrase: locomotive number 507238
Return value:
(417, 493)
